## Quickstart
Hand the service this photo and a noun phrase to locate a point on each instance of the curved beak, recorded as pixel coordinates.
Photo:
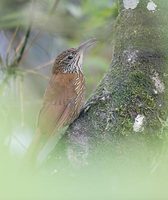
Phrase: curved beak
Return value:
(87, 44)
(81, 49)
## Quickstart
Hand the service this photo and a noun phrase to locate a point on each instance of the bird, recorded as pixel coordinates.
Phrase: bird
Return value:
(63, 97)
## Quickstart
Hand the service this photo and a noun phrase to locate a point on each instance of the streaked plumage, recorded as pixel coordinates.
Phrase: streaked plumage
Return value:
(63, 99)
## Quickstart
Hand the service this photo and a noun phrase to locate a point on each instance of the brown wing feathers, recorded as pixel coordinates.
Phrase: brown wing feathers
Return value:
(63, 99)
(59, 98)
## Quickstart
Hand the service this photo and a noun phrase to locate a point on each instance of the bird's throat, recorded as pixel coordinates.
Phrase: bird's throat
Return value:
(75, 66)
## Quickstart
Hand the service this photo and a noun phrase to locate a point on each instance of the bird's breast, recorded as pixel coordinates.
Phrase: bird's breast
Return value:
(79, 88)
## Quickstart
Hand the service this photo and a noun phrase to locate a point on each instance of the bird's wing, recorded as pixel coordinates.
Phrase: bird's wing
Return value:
(58, 106)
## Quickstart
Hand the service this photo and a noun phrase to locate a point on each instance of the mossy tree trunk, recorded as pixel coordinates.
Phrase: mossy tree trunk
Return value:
(130, 104)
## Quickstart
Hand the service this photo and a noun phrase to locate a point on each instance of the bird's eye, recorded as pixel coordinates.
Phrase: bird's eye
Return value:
(70, 57)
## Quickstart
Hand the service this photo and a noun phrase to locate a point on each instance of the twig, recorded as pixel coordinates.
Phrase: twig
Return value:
(27, 35)
(10, 44)
(30, 45)
(46, 64)
(36, 73)
(19, 46)
(54, 7)
(24, 44)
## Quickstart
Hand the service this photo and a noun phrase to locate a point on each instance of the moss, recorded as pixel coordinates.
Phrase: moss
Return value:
(132, 94)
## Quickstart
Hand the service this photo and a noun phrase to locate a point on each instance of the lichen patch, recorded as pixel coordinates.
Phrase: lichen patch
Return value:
(130, 4)
(159, 85)
(151, 6)
(131, 55)
(139, 123)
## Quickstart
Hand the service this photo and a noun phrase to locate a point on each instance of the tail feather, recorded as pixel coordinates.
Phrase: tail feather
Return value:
(35, 147)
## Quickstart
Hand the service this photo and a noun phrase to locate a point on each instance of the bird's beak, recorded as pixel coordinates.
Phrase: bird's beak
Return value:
(87, 44)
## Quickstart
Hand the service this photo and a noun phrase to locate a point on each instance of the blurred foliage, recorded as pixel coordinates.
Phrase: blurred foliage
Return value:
(99, 11)
(117, 178)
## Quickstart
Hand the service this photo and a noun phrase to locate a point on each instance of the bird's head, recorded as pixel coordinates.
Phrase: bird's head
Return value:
(70, 60)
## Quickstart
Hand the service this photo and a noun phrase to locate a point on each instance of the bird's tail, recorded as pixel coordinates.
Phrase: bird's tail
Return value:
(35, 147)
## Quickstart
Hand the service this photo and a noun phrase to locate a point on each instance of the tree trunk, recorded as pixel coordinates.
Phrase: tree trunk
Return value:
(129, 107)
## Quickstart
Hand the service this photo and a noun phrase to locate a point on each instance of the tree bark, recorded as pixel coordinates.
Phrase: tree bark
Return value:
(130, 104)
